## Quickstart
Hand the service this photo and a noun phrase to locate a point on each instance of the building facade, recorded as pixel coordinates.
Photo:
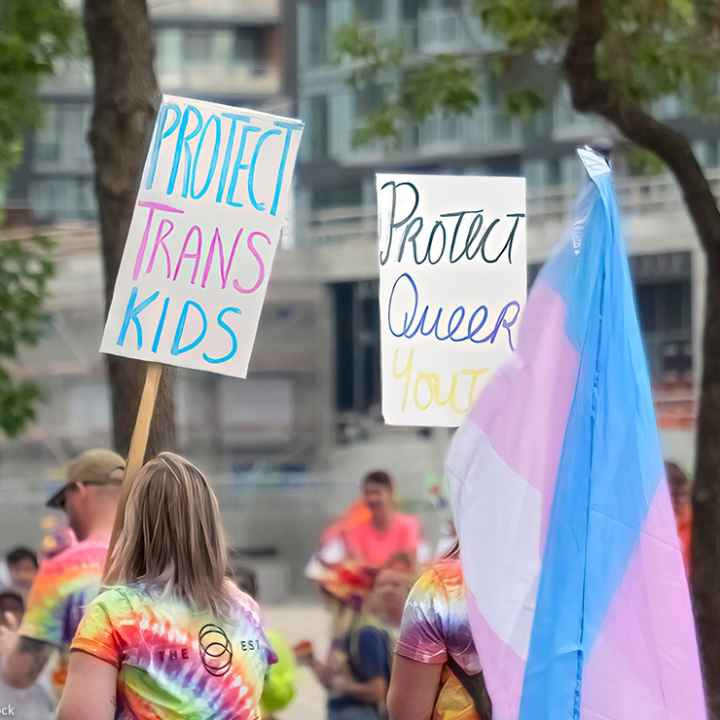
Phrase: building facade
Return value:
(225, 51)
(336, 192)
(287, 446)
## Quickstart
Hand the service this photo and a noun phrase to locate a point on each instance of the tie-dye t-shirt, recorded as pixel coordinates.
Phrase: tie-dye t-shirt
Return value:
(174, 662)
(64, 586)
(434, 625)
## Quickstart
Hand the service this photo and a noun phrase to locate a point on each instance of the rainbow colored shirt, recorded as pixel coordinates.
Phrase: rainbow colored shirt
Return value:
(434, 625)
(174, 662)
(64, 586)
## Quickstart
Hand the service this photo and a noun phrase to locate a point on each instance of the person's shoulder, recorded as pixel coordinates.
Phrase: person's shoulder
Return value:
(241, 601)
(85, 552)
(117, 598)
(371, 632)
(69, 557)
(446, 572)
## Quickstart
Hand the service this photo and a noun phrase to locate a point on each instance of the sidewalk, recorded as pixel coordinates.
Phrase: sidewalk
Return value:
(297, 621)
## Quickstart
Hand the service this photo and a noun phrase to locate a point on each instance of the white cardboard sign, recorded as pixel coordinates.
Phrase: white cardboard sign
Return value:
(208, 218)
(453, 282)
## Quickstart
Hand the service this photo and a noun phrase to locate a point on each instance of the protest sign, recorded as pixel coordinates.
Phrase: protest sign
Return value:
(207, 222)
(208, 218)
(453, 281)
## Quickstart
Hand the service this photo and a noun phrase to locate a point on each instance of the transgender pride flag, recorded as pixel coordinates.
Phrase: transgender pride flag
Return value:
(576, 590)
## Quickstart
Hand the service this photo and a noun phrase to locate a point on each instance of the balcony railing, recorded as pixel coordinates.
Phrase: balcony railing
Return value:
(637, 196)
(250, 10)
(223, 79)
(440, 31)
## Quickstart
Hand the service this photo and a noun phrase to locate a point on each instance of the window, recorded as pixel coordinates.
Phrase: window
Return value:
(318, 32)
(368, 99)
(63, 198)
(198, 47)
(357, 319)
(370, 11)
(247, 47)
(47, 138)
(318, 127)
(168, 49)
(336, 196)
(664, 304)
(62, 139)
(410, 9)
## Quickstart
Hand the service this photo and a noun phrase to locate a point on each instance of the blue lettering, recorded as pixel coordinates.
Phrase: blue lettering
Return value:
(291, 128)
(253, 164)
(473, 328)
(427, 322)
(230, 332)
(176, 349)
(239, 164)
(182, 145)
(234, 120)
(160, 135)
(196, 195)
(161, 325)
(131, 315)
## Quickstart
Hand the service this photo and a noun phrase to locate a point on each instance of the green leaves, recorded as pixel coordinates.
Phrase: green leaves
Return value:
(413, 89)
(25, 270)
(33, 34)
(651, 49)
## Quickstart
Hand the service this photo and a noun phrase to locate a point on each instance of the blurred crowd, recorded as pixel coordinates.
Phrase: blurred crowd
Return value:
(400, 643)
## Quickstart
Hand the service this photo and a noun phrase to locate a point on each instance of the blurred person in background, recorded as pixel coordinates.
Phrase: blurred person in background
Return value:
(357, 672)
(387, 600)
(172, 636)
(36, 702)
(66, 582)
(436, 672)
(385, 532)
(22, 565)
(680, 493)
(279, 689)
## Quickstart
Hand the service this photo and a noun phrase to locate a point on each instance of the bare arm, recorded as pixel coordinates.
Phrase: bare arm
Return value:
(90, 689)
(372, 691)
(413, 689)
(25, 661)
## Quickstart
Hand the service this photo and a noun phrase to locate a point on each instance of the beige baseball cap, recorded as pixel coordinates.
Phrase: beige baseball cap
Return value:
(92, 467)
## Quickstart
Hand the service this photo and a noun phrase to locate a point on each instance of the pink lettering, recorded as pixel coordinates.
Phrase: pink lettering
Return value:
(160, 243)
(152, 206)
(261, 264)
(224, 268)
(184, 254)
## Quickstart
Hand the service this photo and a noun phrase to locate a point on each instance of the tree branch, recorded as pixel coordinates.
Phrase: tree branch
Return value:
(593, 94)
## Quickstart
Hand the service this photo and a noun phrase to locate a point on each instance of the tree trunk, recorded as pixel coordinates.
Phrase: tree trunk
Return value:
(591, 93)
(706, 495)
(126, 98)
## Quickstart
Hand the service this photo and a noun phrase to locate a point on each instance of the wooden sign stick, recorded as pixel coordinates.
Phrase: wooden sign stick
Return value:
(138, 447)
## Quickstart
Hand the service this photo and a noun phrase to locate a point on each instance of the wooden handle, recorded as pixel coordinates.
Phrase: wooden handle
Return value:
(138, 448)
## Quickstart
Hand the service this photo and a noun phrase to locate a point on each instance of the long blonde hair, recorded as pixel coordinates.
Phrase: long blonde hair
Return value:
(172, 538)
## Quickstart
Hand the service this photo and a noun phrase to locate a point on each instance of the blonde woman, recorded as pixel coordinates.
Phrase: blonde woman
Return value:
(170, 637)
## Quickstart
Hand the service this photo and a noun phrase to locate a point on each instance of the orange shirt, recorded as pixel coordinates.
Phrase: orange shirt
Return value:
(374, 547)
(684, 526)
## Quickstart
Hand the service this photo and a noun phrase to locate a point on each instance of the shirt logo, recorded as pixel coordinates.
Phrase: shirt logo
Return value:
(173, 654)
(216, 651)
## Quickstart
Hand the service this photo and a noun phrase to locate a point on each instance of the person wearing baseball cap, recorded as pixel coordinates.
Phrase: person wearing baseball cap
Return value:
(68, 581)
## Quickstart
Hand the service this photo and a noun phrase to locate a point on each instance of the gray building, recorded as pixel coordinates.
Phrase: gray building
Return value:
(227, 51)
(287, 447)
(336, 202)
